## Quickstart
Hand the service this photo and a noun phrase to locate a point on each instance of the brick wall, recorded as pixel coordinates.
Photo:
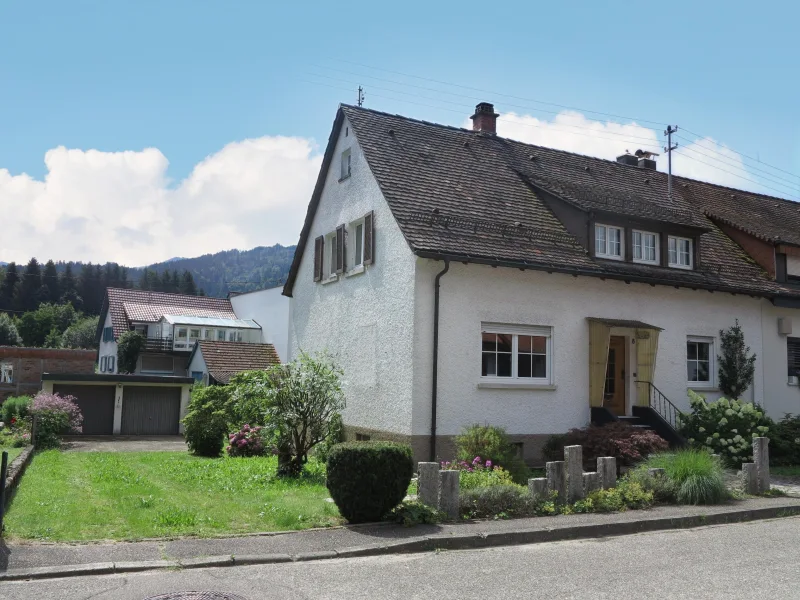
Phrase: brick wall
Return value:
(762, 252)
(30, 363)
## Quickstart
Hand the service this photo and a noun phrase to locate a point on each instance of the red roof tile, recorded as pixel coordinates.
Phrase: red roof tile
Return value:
(226, 359)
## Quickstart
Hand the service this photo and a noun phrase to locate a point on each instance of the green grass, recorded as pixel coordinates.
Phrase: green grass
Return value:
(698, 478)
(77, 496)
(12, 452)
(791, 471)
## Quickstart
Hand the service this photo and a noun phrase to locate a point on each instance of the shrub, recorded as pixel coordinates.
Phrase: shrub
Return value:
(412, 513)
(784, 445)
(335, 436)
(15, 407)
(500, 501)
(129, 346)
(724, 427)
(628, 444)
(553, 448)
(493, 444)
(246, 442)
(81, 334)
(736, 368)
(54, 416)
(628, 494)
(205, 423)
(368, 479)
(9, 336)
(21, 440)
(697, 477)
(476, 473)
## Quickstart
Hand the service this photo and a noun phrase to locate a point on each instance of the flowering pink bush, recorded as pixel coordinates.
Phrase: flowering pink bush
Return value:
(477, 473)
(246, 442)
(54, 416)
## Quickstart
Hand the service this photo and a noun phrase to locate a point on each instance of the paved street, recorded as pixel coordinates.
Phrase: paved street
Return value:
(751, 560)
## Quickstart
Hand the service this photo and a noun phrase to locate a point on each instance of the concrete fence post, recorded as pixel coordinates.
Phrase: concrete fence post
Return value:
(448, 493)
(537, 487)
(591, 482)
(428, 483)
(750, 478)
(761, 459)
(573, 457)
(557, 480)
(607, 469)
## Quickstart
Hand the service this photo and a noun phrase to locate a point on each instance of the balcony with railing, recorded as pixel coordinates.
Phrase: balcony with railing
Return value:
(153, 344)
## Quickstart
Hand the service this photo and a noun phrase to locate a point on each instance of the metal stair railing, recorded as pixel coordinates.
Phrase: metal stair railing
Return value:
(662, 405)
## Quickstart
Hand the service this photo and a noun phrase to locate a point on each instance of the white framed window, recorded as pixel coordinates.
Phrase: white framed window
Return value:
(608, 242)
(645, 246)
(234, 336)
(516, 353)
(103, 363)
(345, 165)
(220, 335)
(700, 361)
(356, 243)
(330, 255)
(112, 363)
(680, 253)
(6, 372)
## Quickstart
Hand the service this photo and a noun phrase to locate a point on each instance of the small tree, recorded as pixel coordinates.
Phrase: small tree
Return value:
(206, 423)
(302, 399)
(81, 334)
(736, 368)
(130, 345)
(9, 336)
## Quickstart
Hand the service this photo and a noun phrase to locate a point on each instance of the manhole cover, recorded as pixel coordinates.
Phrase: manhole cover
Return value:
(197, 596)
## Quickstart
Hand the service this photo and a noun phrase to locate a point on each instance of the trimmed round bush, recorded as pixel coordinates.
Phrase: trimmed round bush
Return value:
(368, 479)
(205, 424)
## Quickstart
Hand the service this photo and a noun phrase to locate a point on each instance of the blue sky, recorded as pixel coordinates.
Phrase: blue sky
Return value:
(188, 78)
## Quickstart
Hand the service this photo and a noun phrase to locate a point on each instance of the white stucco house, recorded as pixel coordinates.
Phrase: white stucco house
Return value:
(460, 277)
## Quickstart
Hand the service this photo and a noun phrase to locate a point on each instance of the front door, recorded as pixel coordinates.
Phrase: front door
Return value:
(614, 393)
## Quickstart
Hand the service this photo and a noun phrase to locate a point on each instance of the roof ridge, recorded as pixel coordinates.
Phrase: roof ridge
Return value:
(566, 152)
(140, 291)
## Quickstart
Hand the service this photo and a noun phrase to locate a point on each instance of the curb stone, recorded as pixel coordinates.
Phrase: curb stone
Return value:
(424, 544)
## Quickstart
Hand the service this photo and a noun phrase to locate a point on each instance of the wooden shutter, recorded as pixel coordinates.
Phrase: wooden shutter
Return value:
(319, 249)
(369, 238)
(340, 249)
(793, 354)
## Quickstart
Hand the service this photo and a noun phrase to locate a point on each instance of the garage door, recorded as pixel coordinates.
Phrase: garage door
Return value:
(96, 403)
(150, 410)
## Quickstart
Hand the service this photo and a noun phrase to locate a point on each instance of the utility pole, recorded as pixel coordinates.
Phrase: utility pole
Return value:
(360, 96)
(670, 130)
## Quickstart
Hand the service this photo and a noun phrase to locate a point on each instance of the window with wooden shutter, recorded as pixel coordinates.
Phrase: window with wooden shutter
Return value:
(340, 249)
(369, 238)
(319, 250)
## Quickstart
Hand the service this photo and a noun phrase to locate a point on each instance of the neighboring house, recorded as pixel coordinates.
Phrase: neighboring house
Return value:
(270, 309)
(462, 278)
(172, 324)
(21, 369)
(216, 362)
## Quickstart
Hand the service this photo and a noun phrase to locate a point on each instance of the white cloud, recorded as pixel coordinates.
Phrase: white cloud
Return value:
(120, 206)
(704, 159)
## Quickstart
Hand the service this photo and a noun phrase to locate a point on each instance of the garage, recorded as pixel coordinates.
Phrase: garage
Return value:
(150, 410)
(96, 403)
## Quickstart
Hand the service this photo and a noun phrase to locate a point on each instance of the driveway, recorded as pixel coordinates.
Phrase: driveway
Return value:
(125, 443)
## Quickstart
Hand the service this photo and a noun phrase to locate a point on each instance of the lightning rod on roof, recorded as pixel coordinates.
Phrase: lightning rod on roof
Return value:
(668, 149)
(360, 96)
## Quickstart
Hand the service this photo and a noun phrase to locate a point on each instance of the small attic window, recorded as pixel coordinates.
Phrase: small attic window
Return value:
(346, 131)
(345, 165)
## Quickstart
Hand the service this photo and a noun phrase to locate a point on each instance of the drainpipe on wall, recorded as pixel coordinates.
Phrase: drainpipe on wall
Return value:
(435, 378)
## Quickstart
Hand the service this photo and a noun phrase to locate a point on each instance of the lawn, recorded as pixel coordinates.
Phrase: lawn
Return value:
(791, 471)
(74, 496)
(12, 452)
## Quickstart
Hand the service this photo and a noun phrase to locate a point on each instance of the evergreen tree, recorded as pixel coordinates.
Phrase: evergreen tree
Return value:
(69, 291)
(146, 280)
(91, 288)
(187, 284)
(50, 281)
(28, 294)
(8, 287)
(175, 288)
(736, 368)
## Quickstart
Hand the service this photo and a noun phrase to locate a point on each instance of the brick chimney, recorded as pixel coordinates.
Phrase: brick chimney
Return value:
(485, 119)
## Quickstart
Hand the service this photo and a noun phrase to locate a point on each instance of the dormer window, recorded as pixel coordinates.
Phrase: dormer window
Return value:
(645, 247)
(680, 253)
(608, 242)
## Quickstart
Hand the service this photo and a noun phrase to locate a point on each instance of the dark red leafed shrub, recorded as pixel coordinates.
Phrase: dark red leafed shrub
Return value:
(627, 443)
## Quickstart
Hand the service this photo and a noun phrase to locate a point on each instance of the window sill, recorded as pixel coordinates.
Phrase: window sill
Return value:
(345, 178)
(702, 388)
(684, 267)
(609, 257)
(330, 279)
(639, 261)
(514, 385)
(355, 271)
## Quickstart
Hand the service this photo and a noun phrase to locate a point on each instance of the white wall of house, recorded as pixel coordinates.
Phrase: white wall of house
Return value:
(364, 320)
(793, 265)
(780, 396)
(198, 365)
(473, 294)
(270, 309)
(107, 348)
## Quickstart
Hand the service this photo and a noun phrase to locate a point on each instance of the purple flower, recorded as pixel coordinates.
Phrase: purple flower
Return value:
(475, 460)
(488, 464)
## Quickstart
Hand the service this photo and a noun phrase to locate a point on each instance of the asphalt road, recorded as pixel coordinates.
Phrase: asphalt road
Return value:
(751, 560)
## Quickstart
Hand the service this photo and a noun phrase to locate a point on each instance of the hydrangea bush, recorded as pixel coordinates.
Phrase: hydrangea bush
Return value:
(54, 416)
(246, 442)
(478, 473)
(724, 427)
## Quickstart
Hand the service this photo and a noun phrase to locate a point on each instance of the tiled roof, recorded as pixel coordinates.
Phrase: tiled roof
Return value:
(128, 305)
(225, 359)
(466, 194)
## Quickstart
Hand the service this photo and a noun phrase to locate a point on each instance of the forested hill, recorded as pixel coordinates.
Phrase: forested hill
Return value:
(231, 270)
